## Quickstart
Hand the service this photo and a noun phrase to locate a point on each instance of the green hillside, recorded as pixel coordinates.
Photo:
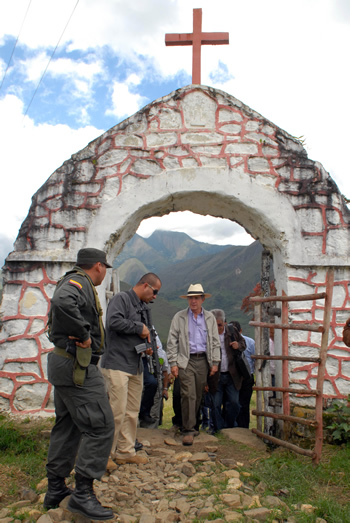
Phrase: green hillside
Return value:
(229, 273)
(164, 248)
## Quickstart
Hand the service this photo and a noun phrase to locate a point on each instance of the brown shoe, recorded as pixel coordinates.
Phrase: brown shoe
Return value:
(187, 439)
(111, 465)
(137, 460)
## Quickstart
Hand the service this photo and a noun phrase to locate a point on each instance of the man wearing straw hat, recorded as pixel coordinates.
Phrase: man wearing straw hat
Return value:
(193, 350)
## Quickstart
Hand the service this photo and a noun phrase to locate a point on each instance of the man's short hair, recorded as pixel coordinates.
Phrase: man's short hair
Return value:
(85, 266)
(219, 314)
(150, 278)
(237, 325)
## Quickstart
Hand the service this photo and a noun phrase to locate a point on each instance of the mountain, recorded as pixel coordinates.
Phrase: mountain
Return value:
(229, 273)
(161, 249)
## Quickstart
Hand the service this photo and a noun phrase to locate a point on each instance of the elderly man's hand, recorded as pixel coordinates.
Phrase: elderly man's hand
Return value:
(175, 371)
(213, 370)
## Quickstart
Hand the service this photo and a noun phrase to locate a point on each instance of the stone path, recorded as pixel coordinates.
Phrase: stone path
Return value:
(177, 484)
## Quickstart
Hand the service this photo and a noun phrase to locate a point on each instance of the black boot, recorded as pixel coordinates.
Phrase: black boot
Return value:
(57, 490)
(84, 502)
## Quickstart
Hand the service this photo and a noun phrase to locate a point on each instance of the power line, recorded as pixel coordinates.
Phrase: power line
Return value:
(14, 47)
(46, 68)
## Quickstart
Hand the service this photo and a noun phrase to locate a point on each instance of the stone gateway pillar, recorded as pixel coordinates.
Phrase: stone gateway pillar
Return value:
(197, 149)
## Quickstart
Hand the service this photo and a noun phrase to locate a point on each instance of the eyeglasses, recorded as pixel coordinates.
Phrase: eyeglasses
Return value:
(155, 291)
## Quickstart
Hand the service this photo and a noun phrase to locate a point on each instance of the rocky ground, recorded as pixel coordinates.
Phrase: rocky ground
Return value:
(197, 483)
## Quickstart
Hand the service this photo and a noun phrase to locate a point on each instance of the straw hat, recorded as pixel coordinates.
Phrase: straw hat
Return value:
(195, 289)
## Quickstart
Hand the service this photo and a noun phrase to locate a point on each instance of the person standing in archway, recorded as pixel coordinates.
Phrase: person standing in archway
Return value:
(83, 432)
(246, 391)
(193, 350)
(227, 382)
(122, 365)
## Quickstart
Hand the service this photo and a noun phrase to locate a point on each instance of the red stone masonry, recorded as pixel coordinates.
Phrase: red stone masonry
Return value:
(16, 377)
(337, 353)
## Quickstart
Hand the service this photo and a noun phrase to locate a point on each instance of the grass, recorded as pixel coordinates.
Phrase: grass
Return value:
(325, 487)
(23, 453)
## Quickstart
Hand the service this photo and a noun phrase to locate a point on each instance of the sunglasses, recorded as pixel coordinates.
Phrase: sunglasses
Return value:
(155, 291)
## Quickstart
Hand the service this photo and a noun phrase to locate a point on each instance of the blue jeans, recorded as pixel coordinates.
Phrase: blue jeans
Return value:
(226, 393)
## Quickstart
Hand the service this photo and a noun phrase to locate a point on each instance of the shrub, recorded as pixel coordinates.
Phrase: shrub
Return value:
(340, 426)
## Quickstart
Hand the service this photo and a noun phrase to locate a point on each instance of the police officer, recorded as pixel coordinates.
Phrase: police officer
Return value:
(84, 427)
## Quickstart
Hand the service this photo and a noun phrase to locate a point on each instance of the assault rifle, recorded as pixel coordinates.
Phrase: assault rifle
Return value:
(157, 368)
(142, 347)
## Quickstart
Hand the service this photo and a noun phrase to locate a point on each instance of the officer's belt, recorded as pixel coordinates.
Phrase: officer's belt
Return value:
(62, 352)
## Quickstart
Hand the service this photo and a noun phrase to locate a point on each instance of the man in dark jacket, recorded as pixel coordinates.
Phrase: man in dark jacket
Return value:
(226, 383)
(83, 432)
(246, 390)
(122, 366)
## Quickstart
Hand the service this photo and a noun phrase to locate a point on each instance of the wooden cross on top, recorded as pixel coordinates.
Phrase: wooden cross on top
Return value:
(197, 39)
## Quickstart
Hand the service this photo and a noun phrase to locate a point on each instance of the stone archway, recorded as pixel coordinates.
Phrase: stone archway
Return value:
(196, 149)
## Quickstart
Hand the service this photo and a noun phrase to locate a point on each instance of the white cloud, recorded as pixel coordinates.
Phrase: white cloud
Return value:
(76, 68)
(133, 79)
(341, 10)
(206, 229)
(33, 68)
(124, 102)
(33, 152)
(78, 72)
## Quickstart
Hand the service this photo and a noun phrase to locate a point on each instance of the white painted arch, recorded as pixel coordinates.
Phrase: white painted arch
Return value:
(197, 149)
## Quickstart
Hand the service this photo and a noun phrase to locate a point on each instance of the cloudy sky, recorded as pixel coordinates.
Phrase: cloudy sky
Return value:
(71, 69)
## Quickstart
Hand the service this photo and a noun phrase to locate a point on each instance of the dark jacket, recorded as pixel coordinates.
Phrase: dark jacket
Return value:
(124, 323)
(231, 334)
(73, 311)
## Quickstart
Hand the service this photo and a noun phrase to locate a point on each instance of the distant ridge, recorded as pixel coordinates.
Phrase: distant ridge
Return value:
(228, 272)
(164, 248)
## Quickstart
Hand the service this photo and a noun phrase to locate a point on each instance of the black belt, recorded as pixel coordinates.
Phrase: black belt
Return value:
(62, 352)
(198, 355)
(227, 372)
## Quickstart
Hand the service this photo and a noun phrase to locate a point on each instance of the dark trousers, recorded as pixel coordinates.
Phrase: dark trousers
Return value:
(84, 428)
(177, 418)
(245, 395)
(150, 386)
(226, 392)
(207, 411)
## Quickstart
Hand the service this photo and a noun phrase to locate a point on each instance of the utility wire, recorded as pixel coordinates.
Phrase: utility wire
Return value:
(52, 55)
(14, 47)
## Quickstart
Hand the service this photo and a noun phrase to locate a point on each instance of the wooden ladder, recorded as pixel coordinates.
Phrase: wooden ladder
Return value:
(263, 410)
